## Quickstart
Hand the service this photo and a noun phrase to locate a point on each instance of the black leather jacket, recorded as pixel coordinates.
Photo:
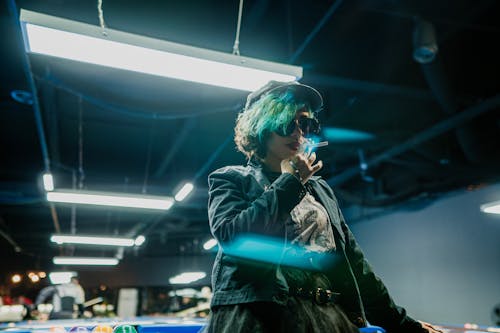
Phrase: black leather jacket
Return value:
(242, 202)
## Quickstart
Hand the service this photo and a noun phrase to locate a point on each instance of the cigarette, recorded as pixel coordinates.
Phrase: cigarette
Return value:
(316, 145)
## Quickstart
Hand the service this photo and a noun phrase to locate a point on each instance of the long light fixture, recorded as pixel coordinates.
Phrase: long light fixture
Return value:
(48, 182)
(139, 240)
(61, 277)
(209, 244)
(62, 38)
(92, 240)
(188, 277)
(110, 199)
(90, 261)
(491, 208)
(184, 192)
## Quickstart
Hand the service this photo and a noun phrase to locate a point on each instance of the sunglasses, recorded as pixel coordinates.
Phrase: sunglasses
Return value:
(308, 126)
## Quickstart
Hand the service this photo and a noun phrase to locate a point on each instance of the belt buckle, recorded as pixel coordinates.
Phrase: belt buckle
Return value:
(322, 296)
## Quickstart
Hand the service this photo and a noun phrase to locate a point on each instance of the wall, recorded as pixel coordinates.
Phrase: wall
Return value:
(441, 262)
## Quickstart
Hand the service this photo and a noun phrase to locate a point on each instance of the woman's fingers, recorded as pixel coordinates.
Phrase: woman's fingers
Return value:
(312, 158)
(304, 162)
(317, 167)
(305, 166)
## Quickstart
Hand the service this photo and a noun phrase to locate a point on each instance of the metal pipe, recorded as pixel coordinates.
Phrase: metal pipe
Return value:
(36, 105)
(315, 31)
(433, 131)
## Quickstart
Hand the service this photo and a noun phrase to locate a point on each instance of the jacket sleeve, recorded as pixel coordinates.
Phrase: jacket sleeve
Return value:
(233, 212)
(379, 306)
(80, 295)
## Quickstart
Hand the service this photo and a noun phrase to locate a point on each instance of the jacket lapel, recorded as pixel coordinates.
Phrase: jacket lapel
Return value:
(332, 209)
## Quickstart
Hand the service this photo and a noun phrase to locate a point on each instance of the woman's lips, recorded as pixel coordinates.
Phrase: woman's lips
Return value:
(294, 145)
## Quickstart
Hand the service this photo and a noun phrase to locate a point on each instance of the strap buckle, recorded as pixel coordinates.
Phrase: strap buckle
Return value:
(322, 296)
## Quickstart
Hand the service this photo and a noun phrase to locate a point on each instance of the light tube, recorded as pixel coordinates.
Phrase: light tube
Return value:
(491, 208)
(209, 244)
(110, 199)
(61, 277)
(139, 240)
(99, 261)
(184, 191)
(53, 36)
(48, 182)
(187, 277)
(92, 240)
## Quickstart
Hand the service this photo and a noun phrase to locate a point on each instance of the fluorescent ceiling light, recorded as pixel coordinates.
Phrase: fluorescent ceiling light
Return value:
(184, 191)
(85, 261)
(187, 277)
(110, 199)
(57, 37)
(48, 182)
(188, 292)
(92, 240)
(61, 277)
(209, 244)
(139, 240)
(491, 208)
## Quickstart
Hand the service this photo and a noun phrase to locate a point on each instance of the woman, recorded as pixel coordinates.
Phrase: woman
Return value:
(307, 274)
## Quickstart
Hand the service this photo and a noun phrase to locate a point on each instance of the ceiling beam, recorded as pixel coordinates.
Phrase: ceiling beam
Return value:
(369, 87)
(174, 148)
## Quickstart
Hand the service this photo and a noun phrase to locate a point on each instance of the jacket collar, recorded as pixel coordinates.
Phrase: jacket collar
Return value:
(255, 162)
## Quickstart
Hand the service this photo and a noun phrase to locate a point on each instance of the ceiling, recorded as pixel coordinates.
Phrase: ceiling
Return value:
(431, 128)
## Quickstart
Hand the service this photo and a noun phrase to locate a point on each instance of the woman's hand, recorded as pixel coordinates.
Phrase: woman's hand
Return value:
(302, 166)
(429, 328)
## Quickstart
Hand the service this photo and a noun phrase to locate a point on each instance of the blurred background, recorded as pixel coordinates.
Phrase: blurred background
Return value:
(410, 115)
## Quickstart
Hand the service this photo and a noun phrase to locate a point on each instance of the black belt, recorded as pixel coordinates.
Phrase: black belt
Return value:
(318, 295)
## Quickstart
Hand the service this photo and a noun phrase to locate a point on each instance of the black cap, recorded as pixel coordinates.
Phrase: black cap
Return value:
(301, 92)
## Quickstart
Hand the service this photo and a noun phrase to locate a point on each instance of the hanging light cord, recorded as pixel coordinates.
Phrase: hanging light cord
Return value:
(81, 173)
(101, 17)
(236, 46)
(148, 158)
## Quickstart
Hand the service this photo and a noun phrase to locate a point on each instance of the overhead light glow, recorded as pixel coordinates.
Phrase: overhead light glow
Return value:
(57, 37)
(184, 191)
(98, 261)
(92, 240)
(48, 182)
(187, 277)
(61, 277)
(16, 278)
(110, 199)
(491, 208)
(209, 244)
(34, 278)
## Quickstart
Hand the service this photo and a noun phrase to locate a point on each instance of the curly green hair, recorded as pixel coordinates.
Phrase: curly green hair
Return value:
(271, 113)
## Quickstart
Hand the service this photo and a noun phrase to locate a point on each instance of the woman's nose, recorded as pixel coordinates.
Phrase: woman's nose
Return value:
(297, 131)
